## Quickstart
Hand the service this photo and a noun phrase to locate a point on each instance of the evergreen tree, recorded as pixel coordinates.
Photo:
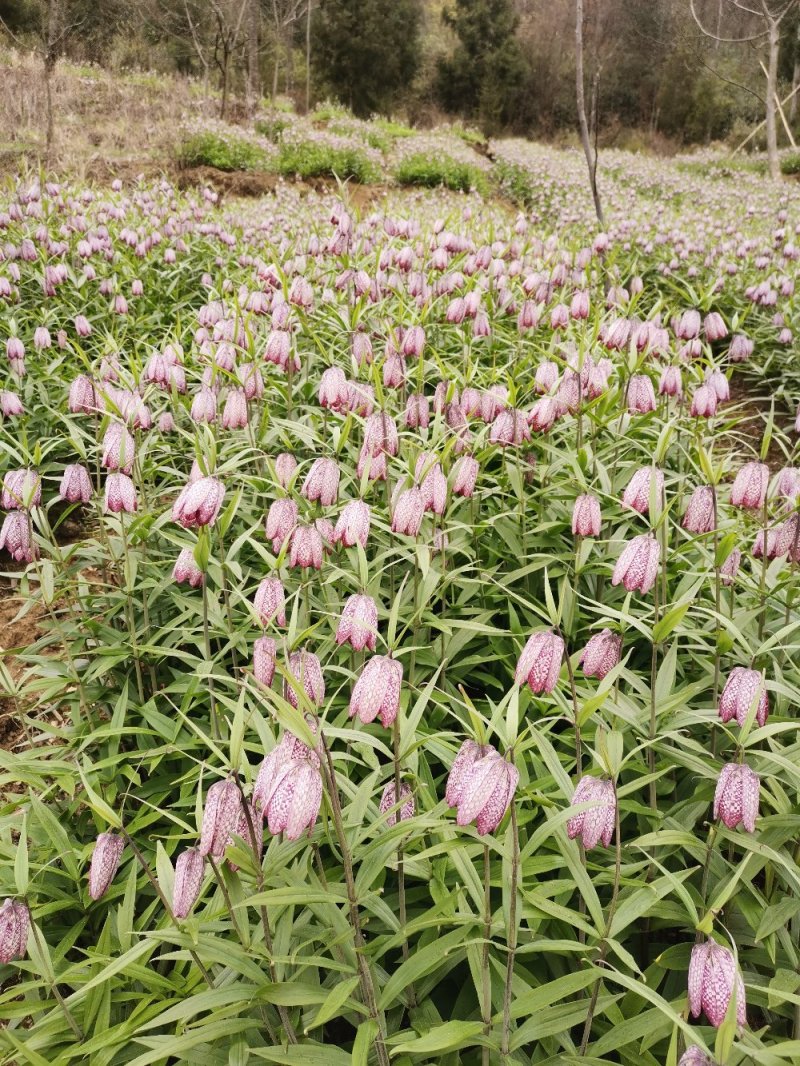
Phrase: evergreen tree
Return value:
(483, 76)
(367, 50)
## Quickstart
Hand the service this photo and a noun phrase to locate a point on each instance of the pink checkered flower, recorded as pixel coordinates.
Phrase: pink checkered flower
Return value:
(742, 689)
(713, 976)
(106, 857)
(269, 602)
(601, 654)
(358, 625)
(220, 815)
(376, 693)
(388, 800)
(539, 663)
(322, 482)
(597, 823)
(352, 526)
(736, 796)
(586, 517)
(637, 567)
(189, 869)
(481, 785)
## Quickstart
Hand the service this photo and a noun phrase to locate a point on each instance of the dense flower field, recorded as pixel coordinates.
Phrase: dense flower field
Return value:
(415, 592)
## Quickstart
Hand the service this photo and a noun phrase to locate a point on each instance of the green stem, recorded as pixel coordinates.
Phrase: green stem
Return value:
(486, 996)
(367, 984)
(54, 988)
(512, 933)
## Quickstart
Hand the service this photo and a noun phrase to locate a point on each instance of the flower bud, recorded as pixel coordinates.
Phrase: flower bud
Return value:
(189, 869)
(105, 861)
(388, 801)
(220, 815)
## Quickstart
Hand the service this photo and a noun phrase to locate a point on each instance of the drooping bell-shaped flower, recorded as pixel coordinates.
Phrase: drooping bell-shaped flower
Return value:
(76, 486)
(749, 489)
(265, 653)
(408, 511)
(736, 796)
(352, 526)
(106, 857)
(713, 975)
(199, 503)
(637, 566)
(306, 548)
(388, 801)
(695, 1056)
(16, 538)
(744, 688)
(269, 602)
(540, 661)
(586, 518)
(358, 625)
(637, 491)
(601, 654)
(220, 815)
(322, 482)
(22, 490)
(186, 571)
(15, 922)
(281, 522)
(641, 396)
(120, 495)
(376, 693)
(700, 511)
(481, 785)
(305, 671)
(189, 868)
(597, 823)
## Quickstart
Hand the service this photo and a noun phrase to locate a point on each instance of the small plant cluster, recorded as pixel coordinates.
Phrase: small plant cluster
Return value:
(429, 171)
(224, 152)
(413, 670)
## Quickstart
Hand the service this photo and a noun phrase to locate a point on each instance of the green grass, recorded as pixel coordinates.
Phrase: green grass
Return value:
(224, 153)
(790, 164)
(309, 159)
(432, 171)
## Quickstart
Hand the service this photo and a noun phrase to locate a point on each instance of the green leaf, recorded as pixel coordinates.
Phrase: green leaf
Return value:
(448, 1036)
(334, 1001)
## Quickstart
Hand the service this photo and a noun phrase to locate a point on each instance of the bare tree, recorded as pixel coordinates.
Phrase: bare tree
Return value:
(308, 56)
(285, 13)
(56, 24)
(589, 149)
(253, 56)
(768, 16)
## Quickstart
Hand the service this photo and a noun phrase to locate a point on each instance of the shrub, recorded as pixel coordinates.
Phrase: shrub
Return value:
(514, 182)
(432, 171)
(310, 159)
(224, 153)
(273, 127)
(790, 164)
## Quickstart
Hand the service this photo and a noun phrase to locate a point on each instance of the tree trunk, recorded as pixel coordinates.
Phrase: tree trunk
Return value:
(253, 67)
(774, 39)
(50, 59)
(580, 99)
(223, 106)
(795, 77)
(308, 57)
